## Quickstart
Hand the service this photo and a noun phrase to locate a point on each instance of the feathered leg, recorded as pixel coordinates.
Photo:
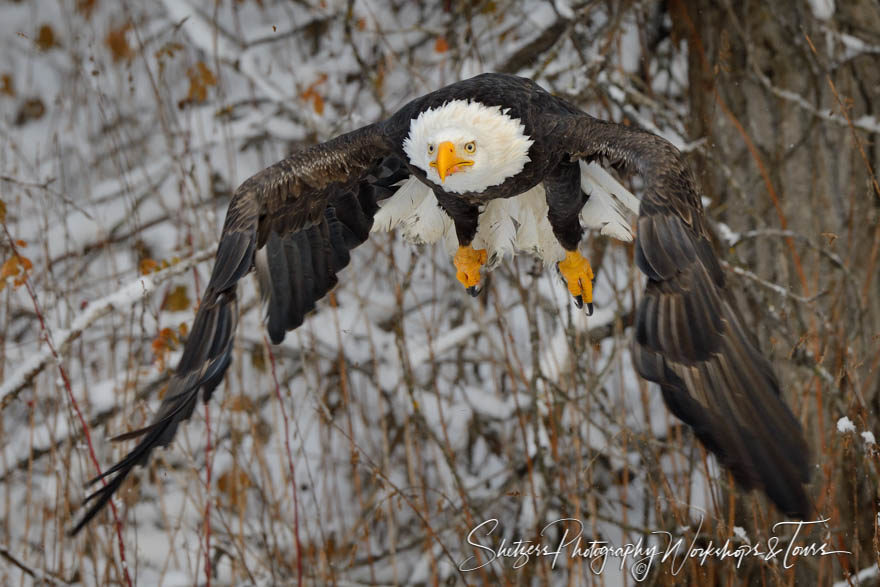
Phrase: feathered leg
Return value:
(565, 200)
(468, 260)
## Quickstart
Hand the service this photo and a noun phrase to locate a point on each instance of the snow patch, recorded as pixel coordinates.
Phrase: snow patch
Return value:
(865, 574)
(563, 7)
(845, 425)
(822, 9)
(727, 234)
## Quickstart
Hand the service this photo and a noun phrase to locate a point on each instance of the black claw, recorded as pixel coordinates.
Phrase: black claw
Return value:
(590, 309)
(579, 301)
(474, 290)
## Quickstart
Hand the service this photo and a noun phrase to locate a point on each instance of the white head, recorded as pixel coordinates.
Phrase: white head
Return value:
(466, 146)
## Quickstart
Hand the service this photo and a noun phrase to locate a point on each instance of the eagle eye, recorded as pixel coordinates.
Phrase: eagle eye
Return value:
(471, 147)
(430, 149)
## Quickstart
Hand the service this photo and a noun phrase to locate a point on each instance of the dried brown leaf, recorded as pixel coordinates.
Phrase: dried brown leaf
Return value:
(310, 94)
(85, 7)
(177, 300)
(30, 109)
(165, 341)
(17, 267)
(10, 268)
(200, 79)
(7, 86)
(117, 42)
(148, 266)
(258, 359)
(239, 403)
(234, 485)
(46, 38)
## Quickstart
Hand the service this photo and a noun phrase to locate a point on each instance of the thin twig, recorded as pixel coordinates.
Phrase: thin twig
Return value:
(125, 296)
(47, 336)
(293, 488)
(35, 574)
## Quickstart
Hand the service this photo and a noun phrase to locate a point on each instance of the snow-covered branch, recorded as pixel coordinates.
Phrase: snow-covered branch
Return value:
(119, 300)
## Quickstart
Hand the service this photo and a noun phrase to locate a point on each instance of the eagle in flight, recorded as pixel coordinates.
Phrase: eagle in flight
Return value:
(494, 165)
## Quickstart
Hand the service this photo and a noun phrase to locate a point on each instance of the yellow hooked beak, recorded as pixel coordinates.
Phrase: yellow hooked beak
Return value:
(447, 161)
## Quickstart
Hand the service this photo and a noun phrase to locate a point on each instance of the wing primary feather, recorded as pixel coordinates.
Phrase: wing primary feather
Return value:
(318, 251)
(307, 275)
(299, 306)
(280, 294)
(339, 241)
(683, 326)
(315, 254)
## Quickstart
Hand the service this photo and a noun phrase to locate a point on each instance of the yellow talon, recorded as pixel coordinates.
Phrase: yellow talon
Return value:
(578, 276)
(468, 261)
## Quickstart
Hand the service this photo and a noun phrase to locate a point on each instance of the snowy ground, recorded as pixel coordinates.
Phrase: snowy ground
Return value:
(415, 412)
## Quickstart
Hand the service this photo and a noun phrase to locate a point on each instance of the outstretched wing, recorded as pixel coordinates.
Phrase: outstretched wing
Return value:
(307, 212)
(298, 269)
(689, 337)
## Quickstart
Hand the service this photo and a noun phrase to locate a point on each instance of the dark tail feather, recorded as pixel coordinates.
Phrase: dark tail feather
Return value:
(137, 456)
(206, 356)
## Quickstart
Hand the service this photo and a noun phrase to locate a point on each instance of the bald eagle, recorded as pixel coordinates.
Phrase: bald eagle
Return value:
(494, 165)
